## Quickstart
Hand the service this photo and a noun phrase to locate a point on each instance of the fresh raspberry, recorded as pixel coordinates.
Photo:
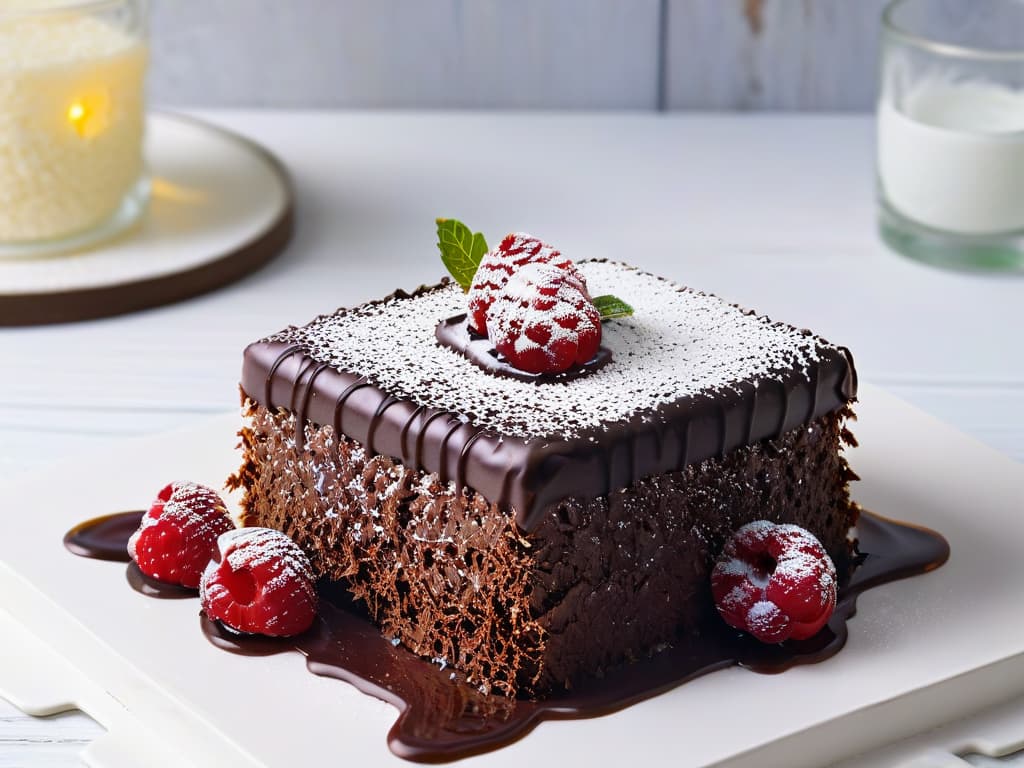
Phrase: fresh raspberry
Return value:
(260, 583)
(775, 582)
(498, 265)
(177, 537)
(543, 321)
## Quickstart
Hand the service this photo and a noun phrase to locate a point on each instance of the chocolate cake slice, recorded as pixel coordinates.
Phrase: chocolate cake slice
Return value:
(532, 533)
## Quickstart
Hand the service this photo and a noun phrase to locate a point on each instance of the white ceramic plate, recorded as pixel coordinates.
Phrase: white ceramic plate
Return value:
(921, 651)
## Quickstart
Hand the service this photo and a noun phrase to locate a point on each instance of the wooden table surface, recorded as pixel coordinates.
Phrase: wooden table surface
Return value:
(774, 212)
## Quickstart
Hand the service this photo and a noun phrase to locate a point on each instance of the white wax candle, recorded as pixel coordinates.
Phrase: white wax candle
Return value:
(952, 157)
(71, 122)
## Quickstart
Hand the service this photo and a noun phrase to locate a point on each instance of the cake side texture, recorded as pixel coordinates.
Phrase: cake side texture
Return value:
(596, 583)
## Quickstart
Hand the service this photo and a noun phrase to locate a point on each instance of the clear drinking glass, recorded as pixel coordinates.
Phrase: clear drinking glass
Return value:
(72, 77)
(951, 132)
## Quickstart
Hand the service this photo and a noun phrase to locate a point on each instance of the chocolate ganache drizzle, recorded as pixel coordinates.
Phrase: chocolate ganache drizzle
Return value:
(442, 718)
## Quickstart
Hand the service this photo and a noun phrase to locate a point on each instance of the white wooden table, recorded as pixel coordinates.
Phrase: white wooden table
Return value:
(776, 213)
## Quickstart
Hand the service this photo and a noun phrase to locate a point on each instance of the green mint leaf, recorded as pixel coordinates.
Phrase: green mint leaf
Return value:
(461, 250)
(611, 307)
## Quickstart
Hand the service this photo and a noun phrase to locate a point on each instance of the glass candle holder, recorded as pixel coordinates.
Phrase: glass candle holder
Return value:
(951, 132)
(72, 76)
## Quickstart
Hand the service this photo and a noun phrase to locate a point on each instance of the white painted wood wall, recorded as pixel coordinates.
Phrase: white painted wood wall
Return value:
(603, 54)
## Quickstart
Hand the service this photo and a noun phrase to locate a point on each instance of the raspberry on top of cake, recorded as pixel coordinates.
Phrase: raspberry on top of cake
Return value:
(691, 377)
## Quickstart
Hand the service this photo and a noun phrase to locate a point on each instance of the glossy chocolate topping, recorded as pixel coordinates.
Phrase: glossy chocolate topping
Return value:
(105, 538)
(442, 718)
(150, 587)
(530, 474)
(456, 334)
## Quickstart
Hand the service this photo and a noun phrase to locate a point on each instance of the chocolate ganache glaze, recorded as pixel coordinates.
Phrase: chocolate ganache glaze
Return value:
(442, 718)
(530, 474)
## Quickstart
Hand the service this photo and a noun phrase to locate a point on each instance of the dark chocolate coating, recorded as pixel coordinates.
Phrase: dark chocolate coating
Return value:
(529, 475)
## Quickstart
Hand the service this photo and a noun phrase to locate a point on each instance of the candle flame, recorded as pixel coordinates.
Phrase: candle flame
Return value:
(89, 113)
(78, 116)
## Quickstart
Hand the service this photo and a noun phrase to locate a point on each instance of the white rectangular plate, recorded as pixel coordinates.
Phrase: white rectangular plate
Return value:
(921, 651)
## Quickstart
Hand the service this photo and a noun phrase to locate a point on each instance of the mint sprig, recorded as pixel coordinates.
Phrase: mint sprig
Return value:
(612, 307)
(461, 250)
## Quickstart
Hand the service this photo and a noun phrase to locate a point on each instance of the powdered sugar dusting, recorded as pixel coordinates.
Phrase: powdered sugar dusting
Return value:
(255, 548)
(775, 581)
(678, 343)
(283, 575)
(763, 617)
(194, 509)
(805, 558)
(500, 264)
(543, 321)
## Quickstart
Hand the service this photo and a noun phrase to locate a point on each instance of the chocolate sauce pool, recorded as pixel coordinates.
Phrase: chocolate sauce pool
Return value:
(443, 718)
(105, 538)
(150, 587)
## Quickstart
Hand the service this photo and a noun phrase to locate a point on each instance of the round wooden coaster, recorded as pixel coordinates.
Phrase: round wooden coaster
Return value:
(221, 207)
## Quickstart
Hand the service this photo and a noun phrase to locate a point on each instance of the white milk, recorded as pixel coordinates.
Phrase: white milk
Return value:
(953, 158)
(71, 123)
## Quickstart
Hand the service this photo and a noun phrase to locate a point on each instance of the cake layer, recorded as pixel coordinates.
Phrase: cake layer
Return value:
(691, 378)
(597, 581)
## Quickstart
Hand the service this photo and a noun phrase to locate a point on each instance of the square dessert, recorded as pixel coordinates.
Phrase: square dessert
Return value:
(532, 531)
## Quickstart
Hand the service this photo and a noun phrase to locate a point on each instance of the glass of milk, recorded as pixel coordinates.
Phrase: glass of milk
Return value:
(951, 132)
(72, 113)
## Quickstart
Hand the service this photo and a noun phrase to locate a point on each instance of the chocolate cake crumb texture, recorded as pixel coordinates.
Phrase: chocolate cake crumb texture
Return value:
(678, 343)
(596, 584)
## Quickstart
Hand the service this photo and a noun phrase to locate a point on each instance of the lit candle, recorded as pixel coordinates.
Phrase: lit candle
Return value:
(72, 115)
